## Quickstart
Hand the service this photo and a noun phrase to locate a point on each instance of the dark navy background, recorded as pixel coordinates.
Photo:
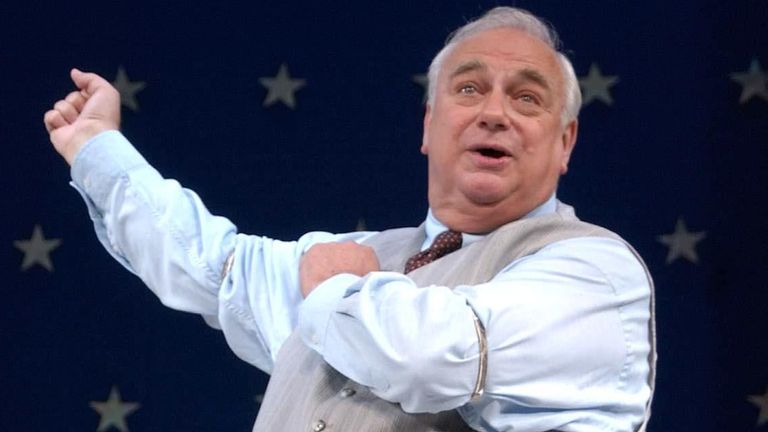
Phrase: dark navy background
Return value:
(676, 143)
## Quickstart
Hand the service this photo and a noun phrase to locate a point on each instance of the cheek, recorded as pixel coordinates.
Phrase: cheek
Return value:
(533, 145)
(535, 137)
(540, 159)
(444, 137)
(540, 141)
(451, 121)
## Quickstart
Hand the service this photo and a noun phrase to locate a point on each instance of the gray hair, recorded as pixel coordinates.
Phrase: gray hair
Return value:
(520, 19)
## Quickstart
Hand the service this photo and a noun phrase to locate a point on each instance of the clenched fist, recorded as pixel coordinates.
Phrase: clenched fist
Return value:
(93, 109)
(324, 260)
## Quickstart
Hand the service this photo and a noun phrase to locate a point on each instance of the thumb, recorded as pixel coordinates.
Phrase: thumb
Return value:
(88, 82)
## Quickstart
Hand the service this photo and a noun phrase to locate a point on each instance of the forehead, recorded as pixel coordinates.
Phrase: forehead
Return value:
(505, 50)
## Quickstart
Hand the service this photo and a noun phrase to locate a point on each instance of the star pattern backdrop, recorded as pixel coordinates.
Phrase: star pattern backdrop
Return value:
(307, 116)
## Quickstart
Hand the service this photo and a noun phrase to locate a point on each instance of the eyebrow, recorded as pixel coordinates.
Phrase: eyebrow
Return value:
(526, 74)
(535, 76)
(469, 66)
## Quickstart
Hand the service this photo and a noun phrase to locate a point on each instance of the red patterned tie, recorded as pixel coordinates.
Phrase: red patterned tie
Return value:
(445, 243)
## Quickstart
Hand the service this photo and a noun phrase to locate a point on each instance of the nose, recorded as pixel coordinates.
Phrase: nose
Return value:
(493, 114)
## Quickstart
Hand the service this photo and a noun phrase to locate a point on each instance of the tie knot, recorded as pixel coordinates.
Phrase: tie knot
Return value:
(445, 243)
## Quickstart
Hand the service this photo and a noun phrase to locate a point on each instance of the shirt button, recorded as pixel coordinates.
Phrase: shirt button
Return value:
(347, 392)
(319, 426)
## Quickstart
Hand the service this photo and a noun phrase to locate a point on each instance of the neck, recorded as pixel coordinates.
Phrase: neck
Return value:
(484, 219)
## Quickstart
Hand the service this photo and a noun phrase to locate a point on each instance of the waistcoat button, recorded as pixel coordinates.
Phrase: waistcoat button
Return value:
(347, 392)
(319, 426)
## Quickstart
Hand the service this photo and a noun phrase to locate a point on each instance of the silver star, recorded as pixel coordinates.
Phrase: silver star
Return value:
(595, 86)
(36, 249)
(128, 89)
(113, 411)
(760, 401)
(423, 81)
(682, 243)
(754, 82)
(281, 88)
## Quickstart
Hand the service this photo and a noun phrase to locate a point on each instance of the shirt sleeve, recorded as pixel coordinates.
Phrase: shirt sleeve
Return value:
(567, 333)
(155, 228)
(164, 234)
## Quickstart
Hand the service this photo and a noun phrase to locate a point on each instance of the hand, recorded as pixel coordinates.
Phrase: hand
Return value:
(324, 260)
(83, 114)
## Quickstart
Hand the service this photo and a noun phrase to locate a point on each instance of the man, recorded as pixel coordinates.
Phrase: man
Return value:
(539, 322)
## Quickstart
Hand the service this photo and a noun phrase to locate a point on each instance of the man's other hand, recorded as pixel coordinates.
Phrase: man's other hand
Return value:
(324, 260)
(83, 114)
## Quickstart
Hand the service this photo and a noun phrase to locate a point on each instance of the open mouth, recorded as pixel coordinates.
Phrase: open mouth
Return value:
(492, 153)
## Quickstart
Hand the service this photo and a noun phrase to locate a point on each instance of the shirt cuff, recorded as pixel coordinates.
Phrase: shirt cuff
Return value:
(316, 310)
(102, 160)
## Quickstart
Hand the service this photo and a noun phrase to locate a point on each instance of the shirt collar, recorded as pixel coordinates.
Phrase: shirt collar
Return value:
(434, 227)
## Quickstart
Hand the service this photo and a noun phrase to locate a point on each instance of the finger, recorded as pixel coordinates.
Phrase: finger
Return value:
(89, 82)
(53, 120)
(77, 99)
(67, 110)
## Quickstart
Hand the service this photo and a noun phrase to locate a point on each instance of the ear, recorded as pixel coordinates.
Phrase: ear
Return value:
(425, 133)
(568, 142)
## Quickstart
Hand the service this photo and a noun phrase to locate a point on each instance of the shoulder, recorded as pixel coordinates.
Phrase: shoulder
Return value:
(606, 261)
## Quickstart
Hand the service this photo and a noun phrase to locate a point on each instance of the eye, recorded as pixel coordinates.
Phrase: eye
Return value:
(467, 89)
(528, 98)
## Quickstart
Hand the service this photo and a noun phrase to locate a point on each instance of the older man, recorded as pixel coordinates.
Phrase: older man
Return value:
(538, 322)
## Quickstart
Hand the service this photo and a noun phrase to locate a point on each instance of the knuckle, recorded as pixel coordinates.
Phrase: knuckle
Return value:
(53, 115)
(73, 97)
(62, 105)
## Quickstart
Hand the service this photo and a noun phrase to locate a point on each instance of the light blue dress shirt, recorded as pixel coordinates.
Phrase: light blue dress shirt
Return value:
(567, 327)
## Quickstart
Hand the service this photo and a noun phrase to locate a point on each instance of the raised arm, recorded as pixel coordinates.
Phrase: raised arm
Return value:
(191, 259)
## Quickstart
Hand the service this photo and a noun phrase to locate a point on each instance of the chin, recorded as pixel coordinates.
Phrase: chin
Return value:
(484, 198)
(486, 193)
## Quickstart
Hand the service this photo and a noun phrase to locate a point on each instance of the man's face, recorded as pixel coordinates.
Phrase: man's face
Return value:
(493, 135)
